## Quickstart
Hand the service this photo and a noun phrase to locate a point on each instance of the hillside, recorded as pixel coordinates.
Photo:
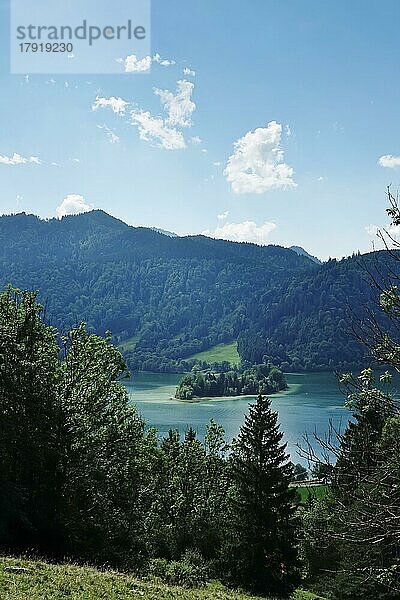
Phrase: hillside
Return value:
(170, 298)
(23, 579)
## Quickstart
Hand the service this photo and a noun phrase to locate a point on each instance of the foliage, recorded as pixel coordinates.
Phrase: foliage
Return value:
(68, 441)
(189, 572)
(259, 548)
(260, 379)
(351, 537)
(82, 477)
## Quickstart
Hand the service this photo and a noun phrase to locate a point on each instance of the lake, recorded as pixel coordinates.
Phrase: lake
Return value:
(313, 399)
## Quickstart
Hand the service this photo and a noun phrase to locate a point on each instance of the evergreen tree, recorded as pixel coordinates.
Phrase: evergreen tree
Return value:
(261, 551)
(29, 413)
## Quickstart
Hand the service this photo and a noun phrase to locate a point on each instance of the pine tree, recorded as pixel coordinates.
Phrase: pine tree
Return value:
(261, 550)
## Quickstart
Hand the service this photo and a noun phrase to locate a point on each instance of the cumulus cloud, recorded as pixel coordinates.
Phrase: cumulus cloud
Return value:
(17, 159)
(160, 131)
(257, 164)
(73, 204)
(189, 72)
(179, 106)
(247, 231)
(389, 161)
(133, 64)
(196, 140)
(154, 129)
(117, 105)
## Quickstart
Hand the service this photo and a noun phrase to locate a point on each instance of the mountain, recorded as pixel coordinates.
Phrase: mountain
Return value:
(301, 252)
(164, 232)
(168, 298)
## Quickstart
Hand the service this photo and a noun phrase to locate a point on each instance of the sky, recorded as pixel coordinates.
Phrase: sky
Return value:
(270, 121)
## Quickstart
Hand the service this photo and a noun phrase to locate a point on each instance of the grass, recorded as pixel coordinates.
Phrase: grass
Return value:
(129, 344)
(42, 581)
(317, 491)
(227, 352)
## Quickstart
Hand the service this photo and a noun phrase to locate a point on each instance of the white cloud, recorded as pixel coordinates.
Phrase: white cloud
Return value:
(223, 216)
(154, 129)
(73, 204)
(133, 64)
(392, 230)
(17, 159)
(189, 72)
(113, 138)
(389, 161)
(179, 106)
(257, 164)
(247, 231)
(117, 105)
(196, 140)
(217, 163)
(162, 132)
(164, 62)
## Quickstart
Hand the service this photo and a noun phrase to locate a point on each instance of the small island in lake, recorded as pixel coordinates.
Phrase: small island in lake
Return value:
(259, 379)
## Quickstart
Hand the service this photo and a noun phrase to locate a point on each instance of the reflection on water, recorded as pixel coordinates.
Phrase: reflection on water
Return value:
(312, 401)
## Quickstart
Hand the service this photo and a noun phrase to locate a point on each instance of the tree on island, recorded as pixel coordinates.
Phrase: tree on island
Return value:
(258, 379)
(260, 550)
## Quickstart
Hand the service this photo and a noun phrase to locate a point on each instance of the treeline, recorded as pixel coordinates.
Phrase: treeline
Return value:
(260, 379)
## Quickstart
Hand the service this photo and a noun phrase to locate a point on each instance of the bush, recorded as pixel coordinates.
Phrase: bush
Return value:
(191, 571)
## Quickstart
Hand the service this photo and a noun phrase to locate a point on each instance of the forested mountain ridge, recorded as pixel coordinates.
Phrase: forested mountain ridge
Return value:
(180, 295)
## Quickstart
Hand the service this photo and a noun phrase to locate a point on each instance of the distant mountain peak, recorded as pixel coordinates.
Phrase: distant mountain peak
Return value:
(301, 252)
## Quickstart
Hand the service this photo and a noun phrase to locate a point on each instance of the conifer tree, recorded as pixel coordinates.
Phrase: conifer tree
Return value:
(261, 548)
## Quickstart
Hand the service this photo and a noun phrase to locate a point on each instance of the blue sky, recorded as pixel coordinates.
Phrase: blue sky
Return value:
(308, 90)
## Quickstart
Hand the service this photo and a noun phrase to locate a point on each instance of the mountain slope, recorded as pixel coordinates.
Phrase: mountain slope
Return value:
(178, 296)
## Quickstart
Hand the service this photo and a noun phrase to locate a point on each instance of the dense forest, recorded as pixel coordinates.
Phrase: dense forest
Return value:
(174, 297)
(260, 379)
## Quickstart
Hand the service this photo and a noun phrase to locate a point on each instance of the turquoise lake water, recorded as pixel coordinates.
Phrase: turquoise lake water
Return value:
(313, 400)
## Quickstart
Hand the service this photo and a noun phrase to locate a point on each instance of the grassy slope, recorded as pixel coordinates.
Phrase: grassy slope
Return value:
(61, 582)
(317, 492)
(219, 353)
(129, 344)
